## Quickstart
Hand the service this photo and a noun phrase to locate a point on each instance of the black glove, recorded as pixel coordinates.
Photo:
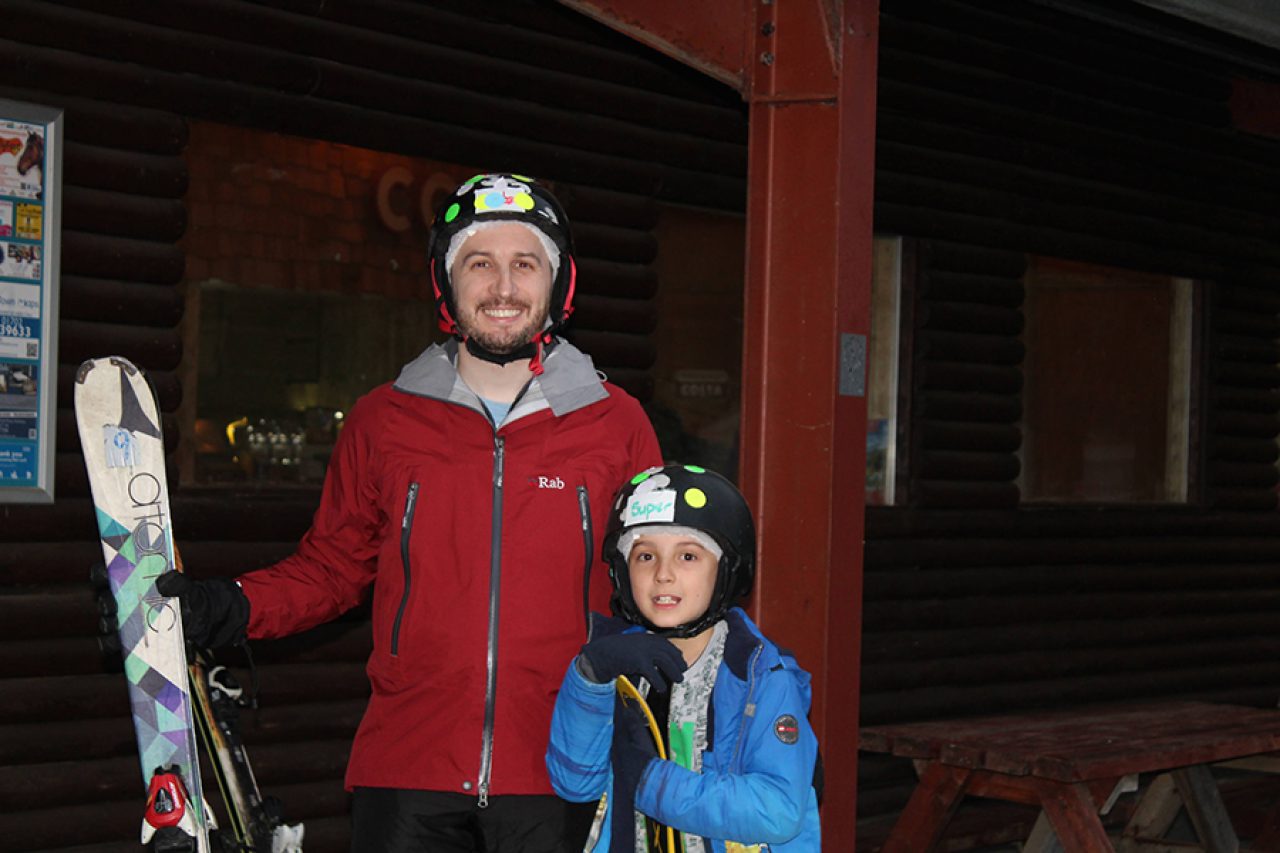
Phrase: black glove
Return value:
(215, 612)
(638, 654)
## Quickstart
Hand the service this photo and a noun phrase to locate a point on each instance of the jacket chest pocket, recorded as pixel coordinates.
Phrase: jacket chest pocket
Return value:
(406, 531)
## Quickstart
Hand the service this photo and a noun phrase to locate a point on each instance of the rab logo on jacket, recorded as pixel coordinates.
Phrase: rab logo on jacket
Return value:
(546, 482)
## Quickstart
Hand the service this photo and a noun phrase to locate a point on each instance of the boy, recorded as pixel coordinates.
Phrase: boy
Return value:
(740, 776)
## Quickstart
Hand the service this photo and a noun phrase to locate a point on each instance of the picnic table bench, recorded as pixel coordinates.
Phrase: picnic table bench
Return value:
(1074, 764)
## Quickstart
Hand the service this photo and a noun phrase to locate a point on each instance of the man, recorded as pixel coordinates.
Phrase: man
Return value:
(471, 494)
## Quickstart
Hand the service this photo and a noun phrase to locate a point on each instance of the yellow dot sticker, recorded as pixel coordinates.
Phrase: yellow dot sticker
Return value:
(695, 498)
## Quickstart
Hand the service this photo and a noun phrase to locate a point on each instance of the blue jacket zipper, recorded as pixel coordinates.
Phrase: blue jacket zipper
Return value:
(406, 528)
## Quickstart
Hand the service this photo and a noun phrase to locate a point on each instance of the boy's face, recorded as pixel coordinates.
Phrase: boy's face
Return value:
(672, 578)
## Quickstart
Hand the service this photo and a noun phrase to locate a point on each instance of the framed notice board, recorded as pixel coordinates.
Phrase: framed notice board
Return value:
(30, 202)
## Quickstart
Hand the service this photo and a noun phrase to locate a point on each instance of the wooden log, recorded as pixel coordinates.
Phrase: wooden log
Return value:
(1246, 323)
(605, 207)
(957, 376)
(966, 347)
(1241, 498)
(1248, 349)
(1038, 662)
(1245, 424)
(1038, 49)
(59, 562)
(1249, 298)
(1249, 399)
(965, 465)
(56, 698)
(971, 259)
(942, 493)
(901, 527)
(961, 435)
(611, 243)
(1223, 473)
(134, 130)
(66, 655)
(629, 138)
(959, 406)
(409, 132)
(1242, 449)
(895, 582)
(100, 300)
(50, 612)
(614, 349)
(1062, 547)
(949, 702)
(611, 314)
(915, 645)
(637, 383)
(944, 286)
(622, 280)
(123, 214)
(148, 347)
(98, 167)
(104, 256)
(1242, 374)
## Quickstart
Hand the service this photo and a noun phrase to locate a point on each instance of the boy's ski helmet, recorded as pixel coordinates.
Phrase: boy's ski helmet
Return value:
(494, 198)
(684, 496)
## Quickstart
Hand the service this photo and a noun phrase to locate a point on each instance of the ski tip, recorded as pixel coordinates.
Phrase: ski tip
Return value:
(82, 372)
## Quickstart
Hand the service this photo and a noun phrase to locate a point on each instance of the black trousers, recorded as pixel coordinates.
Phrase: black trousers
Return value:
(393, 820)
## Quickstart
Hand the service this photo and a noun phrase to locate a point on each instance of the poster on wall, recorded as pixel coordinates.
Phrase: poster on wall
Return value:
(30, 195)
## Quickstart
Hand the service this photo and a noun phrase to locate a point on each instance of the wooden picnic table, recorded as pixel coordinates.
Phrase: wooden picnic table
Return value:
(1073, 764)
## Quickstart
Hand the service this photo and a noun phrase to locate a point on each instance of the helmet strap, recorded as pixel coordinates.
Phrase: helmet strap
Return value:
(534, 351)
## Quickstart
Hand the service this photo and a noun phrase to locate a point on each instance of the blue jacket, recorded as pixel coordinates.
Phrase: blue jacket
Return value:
(756, 784)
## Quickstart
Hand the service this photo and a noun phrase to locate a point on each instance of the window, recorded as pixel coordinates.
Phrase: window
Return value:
(306, 287)
(883, 372)
(1108, 383)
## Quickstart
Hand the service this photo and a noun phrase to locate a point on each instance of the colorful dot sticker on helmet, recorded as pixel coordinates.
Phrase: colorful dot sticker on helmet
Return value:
(640, 478)
(694, 469)
(695, 498)
(452, 213)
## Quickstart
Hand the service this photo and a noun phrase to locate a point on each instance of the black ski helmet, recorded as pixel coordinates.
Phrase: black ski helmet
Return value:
(684, 496)
(491, 198)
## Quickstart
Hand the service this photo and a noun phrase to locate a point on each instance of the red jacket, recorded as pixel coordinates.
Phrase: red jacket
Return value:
(478, 543)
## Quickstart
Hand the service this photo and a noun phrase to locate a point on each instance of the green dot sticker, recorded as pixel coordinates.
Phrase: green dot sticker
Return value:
(521, 178)
(640, 478)
(695, 498)
(452, 213)
(695, 469)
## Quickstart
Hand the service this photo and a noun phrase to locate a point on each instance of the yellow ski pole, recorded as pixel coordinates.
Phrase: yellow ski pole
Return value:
(628, 692)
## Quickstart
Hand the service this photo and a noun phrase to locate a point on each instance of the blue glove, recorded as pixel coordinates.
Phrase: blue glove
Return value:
(645, 655)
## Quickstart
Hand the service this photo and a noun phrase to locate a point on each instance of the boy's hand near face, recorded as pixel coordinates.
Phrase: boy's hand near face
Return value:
(646, 655)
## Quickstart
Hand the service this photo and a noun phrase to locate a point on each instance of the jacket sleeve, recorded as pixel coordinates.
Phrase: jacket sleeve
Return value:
(336, 560)
(765, 800)
(581, 732)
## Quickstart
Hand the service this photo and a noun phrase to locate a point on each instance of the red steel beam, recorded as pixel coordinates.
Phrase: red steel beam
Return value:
(808, 71)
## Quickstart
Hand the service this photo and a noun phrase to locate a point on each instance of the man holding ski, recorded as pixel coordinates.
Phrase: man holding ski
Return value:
(471, 495)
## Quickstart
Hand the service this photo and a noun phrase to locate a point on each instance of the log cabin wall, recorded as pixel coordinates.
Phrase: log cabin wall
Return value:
(615, 127)
(1011, 129)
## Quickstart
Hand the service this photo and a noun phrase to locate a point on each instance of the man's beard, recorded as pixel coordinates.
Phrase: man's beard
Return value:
(503, 342)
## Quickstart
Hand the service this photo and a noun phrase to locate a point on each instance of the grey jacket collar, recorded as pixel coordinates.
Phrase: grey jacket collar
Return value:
(569, 381)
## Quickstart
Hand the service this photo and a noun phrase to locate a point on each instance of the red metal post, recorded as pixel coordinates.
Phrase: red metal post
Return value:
(810, 177)
(808, 71)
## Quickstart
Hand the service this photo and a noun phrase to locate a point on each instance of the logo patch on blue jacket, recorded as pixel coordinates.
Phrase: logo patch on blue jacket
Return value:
(787, 729)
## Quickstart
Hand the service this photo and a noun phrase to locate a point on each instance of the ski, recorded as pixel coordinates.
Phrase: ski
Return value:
(120, 436)
(254, 822)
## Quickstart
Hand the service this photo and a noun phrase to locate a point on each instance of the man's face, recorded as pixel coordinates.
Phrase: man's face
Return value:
(502, 286)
